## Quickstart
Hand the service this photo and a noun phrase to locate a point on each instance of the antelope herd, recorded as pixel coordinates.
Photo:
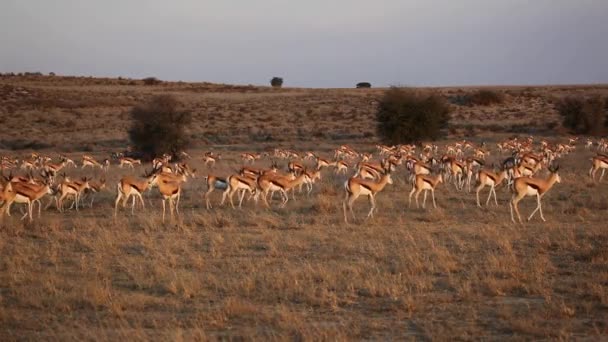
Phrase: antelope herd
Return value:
(518, 167)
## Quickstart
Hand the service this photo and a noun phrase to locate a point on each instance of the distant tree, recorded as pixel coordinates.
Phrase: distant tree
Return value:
(159, 126)
(409, 115)
(276, 82)
(364, 85)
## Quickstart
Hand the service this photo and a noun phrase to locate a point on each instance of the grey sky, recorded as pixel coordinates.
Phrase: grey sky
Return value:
(312, 43)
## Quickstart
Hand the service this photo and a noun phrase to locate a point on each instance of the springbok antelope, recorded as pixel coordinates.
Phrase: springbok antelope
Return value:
(75, 189)
(236, 183)
(425, 183)
(130, 162)
(531, 186)
(210, 159)
(180, 176)
(356, 187)
(341, 167)
(24, 193)
(130, 186)
(310, 179)
(89, 161)
(68, 161)
(170, 189)
(214, 182)
(94, 188)
(457, 171)
(491, 179)
(250, 157)
(273, 182)
(598, 162)
(321, 163)
(295, 168)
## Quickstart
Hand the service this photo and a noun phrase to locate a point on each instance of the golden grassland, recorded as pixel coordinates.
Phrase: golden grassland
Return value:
(455, 272)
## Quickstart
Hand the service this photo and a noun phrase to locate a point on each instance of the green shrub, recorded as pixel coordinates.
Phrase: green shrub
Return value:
(583, 115)
(159, 126)
(364, 85)
(409, 115)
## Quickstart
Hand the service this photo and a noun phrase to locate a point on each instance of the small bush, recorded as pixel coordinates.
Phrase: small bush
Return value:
(583, 115)
(483, 97)
(409, 115)
(276, 82)
(151, 81)
(364, 85)
(159, 126)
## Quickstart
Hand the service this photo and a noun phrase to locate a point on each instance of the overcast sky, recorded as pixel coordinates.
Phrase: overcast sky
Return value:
(312, 43)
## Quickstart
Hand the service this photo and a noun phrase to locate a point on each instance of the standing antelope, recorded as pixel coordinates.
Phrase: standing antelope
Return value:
(425, 183)
(236, 183)
(130, 186)
(170, 189)
(491, 179)
(530, 186)
(75, 189)
(598, 162)
(25, 193)
(273, 182)
(356, 187)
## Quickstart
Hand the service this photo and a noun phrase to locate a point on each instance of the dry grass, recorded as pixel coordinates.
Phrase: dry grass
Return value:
(457, 272)
(300, 273)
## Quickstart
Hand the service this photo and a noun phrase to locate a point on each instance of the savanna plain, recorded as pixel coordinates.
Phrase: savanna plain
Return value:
(452, 272)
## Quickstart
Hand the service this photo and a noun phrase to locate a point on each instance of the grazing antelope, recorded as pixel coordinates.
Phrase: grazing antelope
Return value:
(213, 183)
(130, 186)
(425, 183)
(130, 162)
(598, 162)
(356, 187)
(491, 179)
(95, 187)
(531, 186)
